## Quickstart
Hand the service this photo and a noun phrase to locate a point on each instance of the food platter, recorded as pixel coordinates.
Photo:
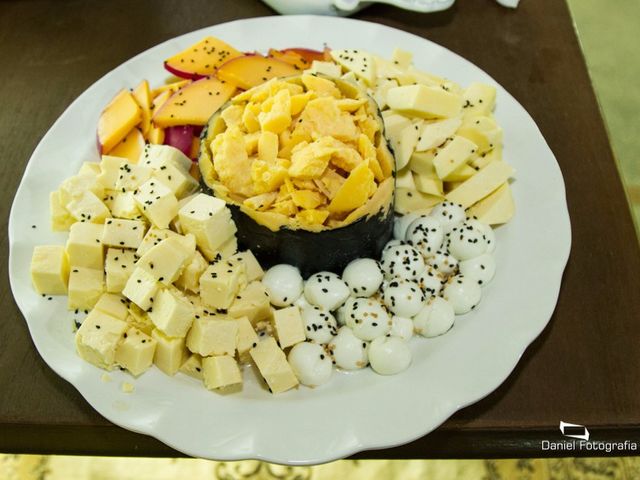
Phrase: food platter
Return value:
(308, 426)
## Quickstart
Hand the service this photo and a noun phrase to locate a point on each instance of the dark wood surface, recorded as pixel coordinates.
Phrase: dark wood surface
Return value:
(584, 368)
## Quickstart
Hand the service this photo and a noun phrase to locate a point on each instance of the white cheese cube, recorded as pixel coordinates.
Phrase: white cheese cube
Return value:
(208, 219)
(119, 266)
(110, 171)
(247, 338)
(273, 366)
(329, 69)
(89, 168)
(123, 233)
(84, 245)
(394, 125)
(289, 327)
(74, 187)
(252, 302)
(221, 372)
(453, 155)
(361, 63)
(50, 269)
(193, 366)
(479, 99)
(221, 282)
(382, 89)
(61, 219)
(88, 208)
(423, 101)
(435, 133)
(141, 288)
(155, 156)
(481, 184)
(152, 238)
(252, 266)
(131, 176)
(213, 335)
(190, 277)
(170, 352)
(86, 285)
(227, 249)
(172, 313)
(115, 305)
(123, 205)
(157, 203)
(402, 58)
(136, 351)
(140, 319)
(165, 261)
(98, 338)
(179, 181)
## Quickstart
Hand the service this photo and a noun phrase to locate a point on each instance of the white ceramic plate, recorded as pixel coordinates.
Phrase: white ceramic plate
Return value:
(354, 412)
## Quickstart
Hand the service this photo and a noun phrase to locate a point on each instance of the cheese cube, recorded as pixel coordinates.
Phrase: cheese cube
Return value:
(453, 155)
(61, 219)
(152, 238)
(115, 305)
(221, 282)
(481, 184)
(89, 168)
(208, 219)
(172, 313)
(74, 187)
(84, 245)
(361, 63)
(329, 69)
(124, 205)
(273, 366)
(86, 285)
(88, 208)
(479, 99)
(110, 171)
(496, 208)
(252, 266)
(289, 326)
(179, 181)
(157, 202)
(156, 156)
(483, 131)
(227, 249)
(170, 352)
(193, 366)
(221, 372)
(165, 261)
(141, 288)
(213, 335)
(50, 269)
(435, 133)
(402, 58)
(140, 319)
(408, 200)
(423, 101)
(98, 338)
(252, 302)
(123, 233)
(247, 338)
(131, 176)
(394, 124)
(136, 351)
(190, 277)
(118, 267)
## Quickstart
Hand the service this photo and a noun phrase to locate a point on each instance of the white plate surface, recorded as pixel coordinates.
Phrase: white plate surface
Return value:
(354, 412)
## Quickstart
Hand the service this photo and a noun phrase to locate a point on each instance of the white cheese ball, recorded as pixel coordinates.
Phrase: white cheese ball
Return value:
(466, 242)
(426, 235)
(310, 364)
(449, 215)
(348, 351)
(436, 318)
(403, 297)
(480, 269)
(368, 318)
(431, 281)
(326, 290)
(391, 244)
(343, 311)
(401, 327)
(319, 325)
(487, 231)
(443, 262)
(463, 293)
(401, 224)
(363, 276)
(402, 261)
(389, 355)
(283, 284)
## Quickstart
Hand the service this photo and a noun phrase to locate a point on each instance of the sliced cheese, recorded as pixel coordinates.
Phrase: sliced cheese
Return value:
(496, 208)
(434, 134)
(425, 102)
(481, 184)
(453, 155)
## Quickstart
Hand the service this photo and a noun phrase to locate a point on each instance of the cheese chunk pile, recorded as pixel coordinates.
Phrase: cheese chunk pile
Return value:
(156, 268)
(446, 141)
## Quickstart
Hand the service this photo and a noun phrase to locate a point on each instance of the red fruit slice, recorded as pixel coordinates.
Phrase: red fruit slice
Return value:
(180, 137)
(116, 120)
(194, 103)
(201, 59)
(130, 147)
(251, 70)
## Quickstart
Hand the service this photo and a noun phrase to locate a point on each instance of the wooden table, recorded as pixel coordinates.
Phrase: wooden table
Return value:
(584, 368)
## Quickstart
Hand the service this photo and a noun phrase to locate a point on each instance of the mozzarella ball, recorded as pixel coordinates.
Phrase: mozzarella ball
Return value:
(463, 293)
(426, 235)
(320, 326)
(401, 223)
(283, 284)
(402, 261)
(443, 262)
(348, 351)
(401, 327)
(480, 269)
(487, 231)
(302, 303)
(363, 277)
(391, 244)
(310, 364)
(403, 297)
(389, 355)
(344, 310)
(368, 318)
(431, 281)
(466, 242)
(326, 290)
(448, 214)
(435, 318)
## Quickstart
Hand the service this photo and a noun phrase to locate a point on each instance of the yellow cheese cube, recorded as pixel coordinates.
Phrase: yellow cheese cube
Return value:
(123, 233)
(307, 199)
(153, 237)
(267, 176)
(170, 352)
(309, 161)
(84, 245)
(423, 101)
(165, 261)
(172, 313)
(496, 208)
(213, 335)
(136, 351)
(253, 269)
(190, 277)
(50, 269)
(141, 288)
(232, 115)
(221, 282)
(312, 216)
(250, 117)
(252, 302)
(453, 155)
(118, 266)
(221, 372)
(273, 366)
(61, 219)
(289, 327)
(247, 337)
(88, 208)
(193, 366)
(98, 338)
(320, 86)
(85, 287)
(481, 184)
(115, 305)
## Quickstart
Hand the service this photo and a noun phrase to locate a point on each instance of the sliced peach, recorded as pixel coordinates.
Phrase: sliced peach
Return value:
(251, 70)
(291, 58)
(308, 54)
(173, 87)
(116, 120)
(130, 147)
(142, 95)
(201, 59)
(194, 104)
